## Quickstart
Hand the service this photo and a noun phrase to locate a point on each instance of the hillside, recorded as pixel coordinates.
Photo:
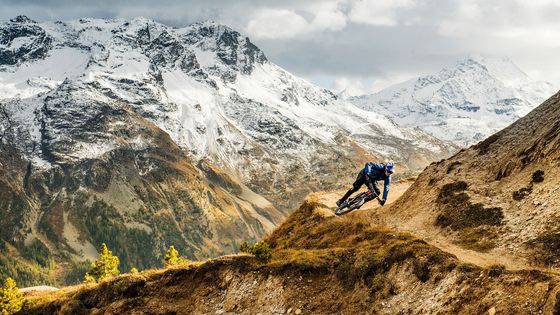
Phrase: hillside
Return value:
(133, 132)
(139, 201)
(463, 103)
(321, 264)
(499, 198)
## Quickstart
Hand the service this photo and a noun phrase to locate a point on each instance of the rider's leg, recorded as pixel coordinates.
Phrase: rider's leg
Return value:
(360, 180)
(372, 185)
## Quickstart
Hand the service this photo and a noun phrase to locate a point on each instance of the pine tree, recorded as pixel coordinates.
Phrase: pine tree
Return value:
(106, 266)
(11, 299)
(172, 257)
(262, 251)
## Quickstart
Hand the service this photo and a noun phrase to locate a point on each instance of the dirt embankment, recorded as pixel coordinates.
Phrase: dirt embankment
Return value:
(321, 264)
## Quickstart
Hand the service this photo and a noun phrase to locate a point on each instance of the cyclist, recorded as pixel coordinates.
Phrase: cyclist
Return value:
(369, 175)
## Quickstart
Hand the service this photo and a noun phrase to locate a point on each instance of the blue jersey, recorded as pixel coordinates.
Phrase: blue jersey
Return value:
(377, 172)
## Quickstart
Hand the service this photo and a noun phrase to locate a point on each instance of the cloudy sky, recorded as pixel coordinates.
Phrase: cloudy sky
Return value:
(358, 45)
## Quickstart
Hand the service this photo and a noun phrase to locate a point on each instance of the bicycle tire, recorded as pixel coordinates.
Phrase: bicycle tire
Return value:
(350, 205)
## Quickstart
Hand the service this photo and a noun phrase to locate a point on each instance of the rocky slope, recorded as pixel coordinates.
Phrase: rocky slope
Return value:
(321, 264)
(465, 103)
(500, 197)
(143, 136)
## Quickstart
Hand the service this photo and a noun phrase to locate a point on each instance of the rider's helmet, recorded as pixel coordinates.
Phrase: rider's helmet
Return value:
(390, 167)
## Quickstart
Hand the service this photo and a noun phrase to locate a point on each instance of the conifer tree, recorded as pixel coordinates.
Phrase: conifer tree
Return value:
(106, 266)
(260, 250)
(172, 257)
(11, 299)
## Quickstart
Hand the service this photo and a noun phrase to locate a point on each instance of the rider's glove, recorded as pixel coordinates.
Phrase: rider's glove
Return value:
(382, 202)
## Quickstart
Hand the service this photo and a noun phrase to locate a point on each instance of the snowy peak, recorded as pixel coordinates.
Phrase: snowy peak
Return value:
(230, 46)
(206, 85)
(22, 39)
(463, 103)
(22, 19)
(502, 69)
(188, 134)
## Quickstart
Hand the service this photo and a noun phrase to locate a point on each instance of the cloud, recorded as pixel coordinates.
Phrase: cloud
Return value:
(277, 23)
(534, 21)
(377, 12)
(285, 23)
(525, 31)
(319, 16)
(366, 43)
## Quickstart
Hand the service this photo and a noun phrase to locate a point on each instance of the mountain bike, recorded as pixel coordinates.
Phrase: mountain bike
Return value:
(356, 202)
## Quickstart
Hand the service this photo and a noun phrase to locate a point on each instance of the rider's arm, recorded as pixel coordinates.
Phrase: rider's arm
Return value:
(386, 187)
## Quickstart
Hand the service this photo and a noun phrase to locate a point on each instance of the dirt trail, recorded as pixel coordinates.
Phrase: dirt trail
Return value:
(368, 213)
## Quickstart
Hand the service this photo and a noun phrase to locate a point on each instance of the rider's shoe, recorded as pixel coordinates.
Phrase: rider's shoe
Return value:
(338, 203)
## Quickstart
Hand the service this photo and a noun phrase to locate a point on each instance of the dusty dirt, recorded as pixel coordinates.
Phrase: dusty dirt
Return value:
(329, 198)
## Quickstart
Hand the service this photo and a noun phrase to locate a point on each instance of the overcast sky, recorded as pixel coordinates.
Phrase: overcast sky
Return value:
(360, 45)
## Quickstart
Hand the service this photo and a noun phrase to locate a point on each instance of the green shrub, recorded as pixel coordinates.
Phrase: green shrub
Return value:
(260, 250)
(105, 267)
(11, 299)
(37, 251)
(133, 246)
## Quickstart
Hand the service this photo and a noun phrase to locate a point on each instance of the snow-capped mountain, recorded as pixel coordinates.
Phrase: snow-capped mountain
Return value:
(464, 103)
(206, 85)
(145, 135)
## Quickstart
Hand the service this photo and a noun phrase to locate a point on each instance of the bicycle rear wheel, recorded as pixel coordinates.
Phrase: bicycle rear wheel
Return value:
(352, 205)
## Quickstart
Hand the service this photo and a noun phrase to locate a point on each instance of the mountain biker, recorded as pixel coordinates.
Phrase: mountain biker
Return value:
(369, 175)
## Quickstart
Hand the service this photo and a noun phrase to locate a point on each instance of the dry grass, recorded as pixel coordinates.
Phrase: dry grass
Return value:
(478, 239)
(354, 249)
(457, 211)
(546, 248)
